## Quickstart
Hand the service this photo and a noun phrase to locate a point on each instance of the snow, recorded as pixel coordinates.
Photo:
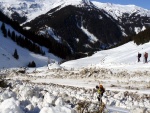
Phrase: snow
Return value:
(49, 31)
(47, 90)
(117, 10)
(123, 57)
(92, 38)
(34, 8)
(58, 88)
(138, 29)
(54, 66)
(10, 106)
(133, 78)
(56, 110)
(7, 47)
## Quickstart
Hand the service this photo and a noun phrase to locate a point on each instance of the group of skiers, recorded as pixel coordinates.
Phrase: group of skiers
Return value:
(145, 56)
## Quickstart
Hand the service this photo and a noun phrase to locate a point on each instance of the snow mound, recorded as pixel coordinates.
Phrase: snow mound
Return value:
(54, 66)
(7, 94)
(59, 102)
(10, 106)
(49, 98)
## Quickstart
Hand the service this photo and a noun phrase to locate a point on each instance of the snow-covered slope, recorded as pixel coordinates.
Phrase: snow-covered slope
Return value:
(122, 57)
(7, 47)
(117, 10)
(33, 8)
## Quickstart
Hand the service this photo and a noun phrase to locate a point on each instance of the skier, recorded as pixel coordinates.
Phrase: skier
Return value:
(100, 91)
(146, 56)
(139, 56)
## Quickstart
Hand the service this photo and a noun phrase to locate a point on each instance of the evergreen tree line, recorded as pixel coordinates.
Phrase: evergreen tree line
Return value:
(123, 41)
(60, 49)
(4, 31)
(142, 37)
(22, 41)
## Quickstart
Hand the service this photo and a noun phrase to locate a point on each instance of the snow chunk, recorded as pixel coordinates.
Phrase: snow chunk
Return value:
(49, 98)
(59, 102)
(27, 28)
(10, 106)
(54, 66)
(137, 30)
(7, 94)
(26, 93)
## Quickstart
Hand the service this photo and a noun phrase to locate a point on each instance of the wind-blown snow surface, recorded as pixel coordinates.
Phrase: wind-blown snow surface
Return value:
(7, 47)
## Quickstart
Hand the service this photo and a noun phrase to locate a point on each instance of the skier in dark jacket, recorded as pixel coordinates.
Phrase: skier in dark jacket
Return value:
(139, 56)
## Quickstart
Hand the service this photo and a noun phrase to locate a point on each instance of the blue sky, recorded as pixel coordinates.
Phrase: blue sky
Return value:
(141, 3)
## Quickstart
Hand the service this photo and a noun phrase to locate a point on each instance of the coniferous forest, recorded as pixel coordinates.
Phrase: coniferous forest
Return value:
(28, 37)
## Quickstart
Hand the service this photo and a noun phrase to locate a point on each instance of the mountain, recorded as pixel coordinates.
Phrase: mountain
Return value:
(27, 10)
(130, 18)
(83, 26)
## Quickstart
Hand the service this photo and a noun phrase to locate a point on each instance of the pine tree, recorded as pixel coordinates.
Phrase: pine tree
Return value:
(16, 56)
(4, 30)
(33, 64)
(29, 65)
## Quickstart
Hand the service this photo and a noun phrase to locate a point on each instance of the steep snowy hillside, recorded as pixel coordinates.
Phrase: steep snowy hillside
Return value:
(27, 10)
(7, 48)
